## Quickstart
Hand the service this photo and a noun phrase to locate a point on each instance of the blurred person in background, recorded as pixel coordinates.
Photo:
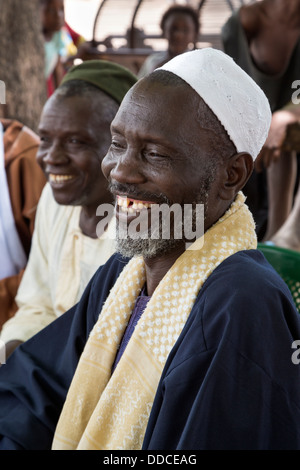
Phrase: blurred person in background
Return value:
(264, 39)
(180, 26)
(62, 43)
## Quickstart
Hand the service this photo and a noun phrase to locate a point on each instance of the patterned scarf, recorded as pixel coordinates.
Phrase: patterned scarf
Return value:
(111, 411)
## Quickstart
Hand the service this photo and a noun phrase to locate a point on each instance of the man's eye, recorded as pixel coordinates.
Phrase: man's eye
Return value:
(44, 139)
(116, 144)
(155, 154)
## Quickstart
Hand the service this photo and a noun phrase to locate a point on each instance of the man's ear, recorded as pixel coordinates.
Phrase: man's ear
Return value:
(238, 170)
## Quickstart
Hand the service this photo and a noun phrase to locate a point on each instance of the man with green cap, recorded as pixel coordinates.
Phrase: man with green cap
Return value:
(67, 246)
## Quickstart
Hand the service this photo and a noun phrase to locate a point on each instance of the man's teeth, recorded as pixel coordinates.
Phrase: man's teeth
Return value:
(131, 205)
(59, 178)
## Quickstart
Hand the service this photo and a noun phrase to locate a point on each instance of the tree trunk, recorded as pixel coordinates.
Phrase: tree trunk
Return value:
(22, 61)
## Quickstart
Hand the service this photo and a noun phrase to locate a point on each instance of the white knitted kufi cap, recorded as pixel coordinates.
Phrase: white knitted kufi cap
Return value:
(232, 95)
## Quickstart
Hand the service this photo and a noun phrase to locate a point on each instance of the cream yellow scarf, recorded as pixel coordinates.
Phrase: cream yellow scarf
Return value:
(104, 411)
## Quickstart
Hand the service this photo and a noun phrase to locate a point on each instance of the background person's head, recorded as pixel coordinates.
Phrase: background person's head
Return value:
(52, 16)
(75, 131)
(180, 26)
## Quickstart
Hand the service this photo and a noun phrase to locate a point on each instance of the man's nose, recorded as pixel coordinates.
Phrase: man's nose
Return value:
(55, 155)
(127, 169)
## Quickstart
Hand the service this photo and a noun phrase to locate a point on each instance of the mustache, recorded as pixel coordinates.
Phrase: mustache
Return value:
(131, 191)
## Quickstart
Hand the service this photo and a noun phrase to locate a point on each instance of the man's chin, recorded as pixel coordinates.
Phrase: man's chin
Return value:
(147, 248)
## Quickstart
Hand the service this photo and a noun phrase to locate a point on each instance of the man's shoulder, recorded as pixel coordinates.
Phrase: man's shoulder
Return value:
(242, 289)
(248, 268)
(245, 277)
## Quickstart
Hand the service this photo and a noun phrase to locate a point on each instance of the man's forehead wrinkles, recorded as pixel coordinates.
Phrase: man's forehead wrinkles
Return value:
(137, 105)
(131, 114)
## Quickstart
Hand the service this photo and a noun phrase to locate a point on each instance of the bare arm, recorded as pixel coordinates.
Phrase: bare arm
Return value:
(273, 146)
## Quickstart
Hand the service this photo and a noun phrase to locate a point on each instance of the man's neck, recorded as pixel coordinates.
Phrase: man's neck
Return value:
(157, 268)
(88, 221)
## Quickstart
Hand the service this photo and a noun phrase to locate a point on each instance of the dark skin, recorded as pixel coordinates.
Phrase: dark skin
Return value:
(180, 32)
(266, 24)
(147, 154)
(75, 136)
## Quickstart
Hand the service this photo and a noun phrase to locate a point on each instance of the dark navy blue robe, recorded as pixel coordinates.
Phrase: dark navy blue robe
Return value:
(229, 382)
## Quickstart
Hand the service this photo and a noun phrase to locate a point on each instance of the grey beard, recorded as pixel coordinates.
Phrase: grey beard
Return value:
(153, 244)
(148, 248)
(159, 238)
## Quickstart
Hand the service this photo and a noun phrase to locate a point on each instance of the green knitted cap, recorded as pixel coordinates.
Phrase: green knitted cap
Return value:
(112, 78)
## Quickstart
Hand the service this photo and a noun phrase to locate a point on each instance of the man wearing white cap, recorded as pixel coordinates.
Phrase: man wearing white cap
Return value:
(184, 342)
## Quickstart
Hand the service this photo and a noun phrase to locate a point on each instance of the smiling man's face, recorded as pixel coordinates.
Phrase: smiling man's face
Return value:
(160, 154)
(75, 136)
